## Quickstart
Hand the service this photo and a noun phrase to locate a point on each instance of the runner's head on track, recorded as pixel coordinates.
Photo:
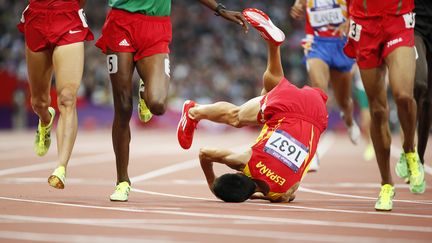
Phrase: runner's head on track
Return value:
(234, 187)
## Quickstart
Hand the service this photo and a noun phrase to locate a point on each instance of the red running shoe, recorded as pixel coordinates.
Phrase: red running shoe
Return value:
(186, 126)
(261, 21)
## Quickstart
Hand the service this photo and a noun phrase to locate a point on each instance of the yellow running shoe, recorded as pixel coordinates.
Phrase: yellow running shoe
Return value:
(121, 193)
(144, 113)
(385, 199)
(401, 167)
(417, 180)
(58, 178)
(369, 152)
(43, 135)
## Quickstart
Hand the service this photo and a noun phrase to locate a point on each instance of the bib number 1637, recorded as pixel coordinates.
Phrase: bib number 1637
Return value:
(287, 149)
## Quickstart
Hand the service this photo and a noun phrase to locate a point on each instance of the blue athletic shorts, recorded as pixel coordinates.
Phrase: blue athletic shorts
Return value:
(330, 50)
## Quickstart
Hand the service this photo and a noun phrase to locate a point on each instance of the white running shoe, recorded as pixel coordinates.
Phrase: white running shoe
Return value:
(314, 164)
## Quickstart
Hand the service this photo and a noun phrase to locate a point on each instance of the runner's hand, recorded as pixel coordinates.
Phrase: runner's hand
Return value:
(342, 29)
(297, 11)
(235, 17)
(306, 43)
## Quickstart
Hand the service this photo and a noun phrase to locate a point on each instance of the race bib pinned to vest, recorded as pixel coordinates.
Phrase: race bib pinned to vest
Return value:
(287, 149)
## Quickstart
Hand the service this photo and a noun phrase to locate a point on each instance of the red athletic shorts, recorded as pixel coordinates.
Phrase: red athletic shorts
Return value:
(46, 28)
(372, 39)
(137, 33)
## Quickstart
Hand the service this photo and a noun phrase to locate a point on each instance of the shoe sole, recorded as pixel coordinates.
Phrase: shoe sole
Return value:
(53, 113)
(179, 123)
(144, 119)
(422, 186)
(260, 21)
(383, 210)
(55, 182)
(117, 200)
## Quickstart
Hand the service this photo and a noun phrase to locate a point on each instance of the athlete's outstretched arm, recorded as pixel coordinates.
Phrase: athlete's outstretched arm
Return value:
(233, 16)
(82, 3)
(208, 156)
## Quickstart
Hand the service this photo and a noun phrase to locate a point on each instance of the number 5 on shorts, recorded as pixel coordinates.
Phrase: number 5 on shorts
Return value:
(112, 63)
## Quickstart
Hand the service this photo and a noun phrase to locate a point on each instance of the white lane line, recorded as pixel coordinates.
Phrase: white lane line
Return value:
(208, 231)
(86, 160)
(166, 170)
(189, 164)
(290, 206)
(80, 181)
(322, 223)
(93, 159)
(113, 221)
(73, 238)
(395, 152)
(350, 185)
(355, 196)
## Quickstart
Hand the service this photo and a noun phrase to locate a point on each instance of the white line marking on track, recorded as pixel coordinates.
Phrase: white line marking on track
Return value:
(355, 196)
(107, 156)
(113, 221)
(323, 223)
(73, 238)
(189, 164)
(190, 229)
(282, 205)
(92, 159)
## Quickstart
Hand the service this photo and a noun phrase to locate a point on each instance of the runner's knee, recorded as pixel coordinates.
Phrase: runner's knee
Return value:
(67, 97)
(403, 100)
(378, 113)
(157, 106)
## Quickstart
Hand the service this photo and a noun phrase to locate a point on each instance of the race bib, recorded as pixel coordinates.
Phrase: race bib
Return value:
(409, 19)
(332, 16)
(287, 149)
(83, 18)
(22, 20)
(355, 30)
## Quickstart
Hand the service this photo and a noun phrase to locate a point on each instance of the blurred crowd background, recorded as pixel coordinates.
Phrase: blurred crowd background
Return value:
(211, 60)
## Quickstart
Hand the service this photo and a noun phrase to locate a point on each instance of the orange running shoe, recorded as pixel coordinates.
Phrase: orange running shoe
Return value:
(261, 21)
(186, 126)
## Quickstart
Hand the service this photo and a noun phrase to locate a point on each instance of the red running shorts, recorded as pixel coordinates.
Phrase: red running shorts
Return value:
(47, 28)
(372, 39)
(137, 33)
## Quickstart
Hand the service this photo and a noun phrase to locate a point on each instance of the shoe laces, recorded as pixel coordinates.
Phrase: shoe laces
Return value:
(386, 190)
(120, 188)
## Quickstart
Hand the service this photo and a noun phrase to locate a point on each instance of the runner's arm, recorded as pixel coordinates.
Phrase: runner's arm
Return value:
(208, 156)
(288, 196)
(233, 16)
(82, 3)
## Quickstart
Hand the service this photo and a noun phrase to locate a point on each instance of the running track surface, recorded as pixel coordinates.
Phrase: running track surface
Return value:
(170, 201)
